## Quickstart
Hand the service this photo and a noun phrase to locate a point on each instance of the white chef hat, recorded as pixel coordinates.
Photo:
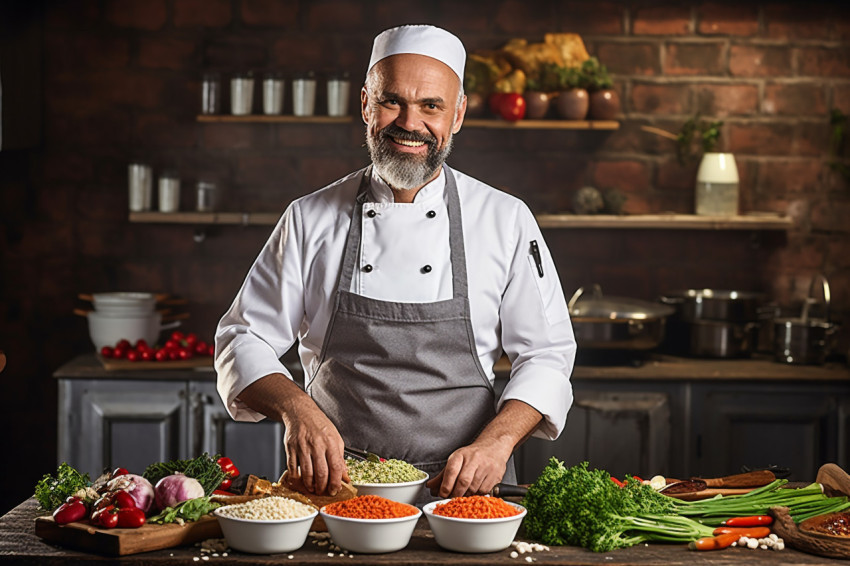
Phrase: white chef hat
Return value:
(425, 40)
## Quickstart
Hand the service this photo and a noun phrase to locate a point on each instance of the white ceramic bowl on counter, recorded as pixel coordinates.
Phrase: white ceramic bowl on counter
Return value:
(264, 537)
(473, 535)
(403, 492)
(371, 536)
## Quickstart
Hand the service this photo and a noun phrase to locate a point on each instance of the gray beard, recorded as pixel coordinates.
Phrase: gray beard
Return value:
(403, 170)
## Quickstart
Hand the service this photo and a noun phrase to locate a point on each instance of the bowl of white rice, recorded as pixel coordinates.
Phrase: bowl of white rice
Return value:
(267, 525)
(394, 479)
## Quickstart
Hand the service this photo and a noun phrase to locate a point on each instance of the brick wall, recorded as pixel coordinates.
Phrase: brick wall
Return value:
(122, 83)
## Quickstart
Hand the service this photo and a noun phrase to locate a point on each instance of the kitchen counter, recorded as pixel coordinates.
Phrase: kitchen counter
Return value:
(654, 367)
(19, 545)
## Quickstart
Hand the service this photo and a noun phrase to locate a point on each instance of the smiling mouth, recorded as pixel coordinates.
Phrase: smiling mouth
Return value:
(408, 143)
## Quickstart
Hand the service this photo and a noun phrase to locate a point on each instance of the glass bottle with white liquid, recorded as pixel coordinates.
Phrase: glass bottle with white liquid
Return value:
(717, 185)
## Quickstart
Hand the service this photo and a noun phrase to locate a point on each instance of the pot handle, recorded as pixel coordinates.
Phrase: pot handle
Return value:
(596, 289)
(811, 297)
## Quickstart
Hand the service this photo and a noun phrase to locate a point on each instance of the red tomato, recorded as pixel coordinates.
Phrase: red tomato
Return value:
(147, 356)
(512, 107)
(212, 350)
(186, 353)
(123, 344)
(171, 344)
(201, 348)
(173, 354)
(119, 353)
(177, 336)
(130, 518)
(141, 345)
(107, 352)
(161, 355)
(495, 102)
(191, 339)
(124, 501)
(133, 356)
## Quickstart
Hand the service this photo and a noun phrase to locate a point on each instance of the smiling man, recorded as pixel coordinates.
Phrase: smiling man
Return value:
(403, 283)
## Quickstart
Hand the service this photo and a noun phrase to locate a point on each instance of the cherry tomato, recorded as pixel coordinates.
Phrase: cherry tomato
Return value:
(186, 353)
(141, 344)
(512, 107)
(212, 350)
(130, 517)
(177, 336)
(147, 355)
(201, 348)
(106, 352)
(123, 344)
(133, 356)
(191, 339)
(106, 517)
(173, 354)
(225, 483)
(119, 353)
(119, 472)
(161, 355)
(124, 501)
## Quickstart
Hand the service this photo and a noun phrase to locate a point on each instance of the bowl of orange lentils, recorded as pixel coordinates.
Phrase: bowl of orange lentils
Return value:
(370, 524)
(478, 523)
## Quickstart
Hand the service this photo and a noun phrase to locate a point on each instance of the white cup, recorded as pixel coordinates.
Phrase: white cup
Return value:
(140, 183)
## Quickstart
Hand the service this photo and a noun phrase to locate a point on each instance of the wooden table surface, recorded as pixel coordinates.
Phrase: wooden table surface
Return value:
(19, 545)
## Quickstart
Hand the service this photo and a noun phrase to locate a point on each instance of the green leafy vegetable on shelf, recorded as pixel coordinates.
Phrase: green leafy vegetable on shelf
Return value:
(51, 491)
(189, 510)
(204, 468)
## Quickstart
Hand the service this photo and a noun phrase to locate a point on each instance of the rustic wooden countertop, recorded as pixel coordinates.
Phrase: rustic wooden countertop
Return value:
(19, 545)
(654, 367)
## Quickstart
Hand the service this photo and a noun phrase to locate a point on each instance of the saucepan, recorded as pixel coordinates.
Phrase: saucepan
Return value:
(805, 339)
(715, 304)
(622, 323)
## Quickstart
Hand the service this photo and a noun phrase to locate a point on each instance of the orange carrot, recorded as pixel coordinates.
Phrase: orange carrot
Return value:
(476, 507)
(370, 507)
(749, 532)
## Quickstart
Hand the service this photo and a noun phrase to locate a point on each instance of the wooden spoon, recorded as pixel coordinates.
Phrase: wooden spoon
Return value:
(834, 480)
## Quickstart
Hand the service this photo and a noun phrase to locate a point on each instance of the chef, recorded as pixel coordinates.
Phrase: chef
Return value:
(403, 283)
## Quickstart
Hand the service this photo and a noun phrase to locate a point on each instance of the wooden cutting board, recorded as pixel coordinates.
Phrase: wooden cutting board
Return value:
(199, 362)
(121, 542)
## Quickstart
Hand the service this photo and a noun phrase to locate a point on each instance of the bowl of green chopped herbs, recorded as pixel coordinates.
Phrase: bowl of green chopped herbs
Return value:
(393, 479)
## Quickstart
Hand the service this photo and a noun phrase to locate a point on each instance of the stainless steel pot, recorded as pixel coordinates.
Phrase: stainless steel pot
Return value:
(715, 304)
(722, 339)
(616, 322)
(805, 340)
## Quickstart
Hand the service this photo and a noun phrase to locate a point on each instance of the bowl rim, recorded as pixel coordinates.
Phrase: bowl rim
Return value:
(311, 516)
(428, 510)
(361, 521)
(421, 480)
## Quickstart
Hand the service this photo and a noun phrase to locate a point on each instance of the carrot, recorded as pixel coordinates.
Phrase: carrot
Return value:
(749, 532)
(753, 521)
(713, 543)
(476, 507)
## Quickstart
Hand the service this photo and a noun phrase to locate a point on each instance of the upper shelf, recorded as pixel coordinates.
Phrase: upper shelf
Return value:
(761, 221)
(469, 123)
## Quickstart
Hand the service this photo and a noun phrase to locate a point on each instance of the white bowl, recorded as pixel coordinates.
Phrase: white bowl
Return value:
(127, 301)
(265, 537)
(473, 535)
(403, 492)
(370, 536)
(108, 330)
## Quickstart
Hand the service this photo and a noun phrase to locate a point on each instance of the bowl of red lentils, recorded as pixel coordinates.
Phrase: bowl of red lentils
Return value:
(370, 524)
(475, 524)
(266, 525)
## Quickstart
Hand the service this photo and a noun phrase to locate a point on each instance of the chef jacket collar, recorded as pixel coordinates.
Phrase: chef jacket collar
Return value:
(380, 191)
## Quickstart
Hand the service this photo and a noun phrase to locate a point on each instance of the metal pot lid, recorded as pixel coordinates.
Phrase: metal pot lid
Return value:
(595, 305)
(724, 294)
(809, 322)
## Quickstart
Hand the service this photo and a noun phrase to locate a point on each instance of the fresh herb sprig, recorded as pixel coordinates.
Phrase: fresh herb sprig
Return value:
(51, 491)
(204, 468)
(189, 510)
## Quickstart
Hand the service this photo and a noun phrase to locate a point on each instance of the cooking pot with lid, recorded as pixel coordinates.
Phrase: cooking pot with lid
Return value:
(805, 340)
(624, 323)
(715, 304)
(722, 339)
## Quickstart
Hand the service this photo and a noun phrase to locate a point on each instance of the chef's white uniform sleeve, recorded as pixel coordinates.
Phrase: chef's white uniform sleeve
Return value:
(537, 334)
(263, 321)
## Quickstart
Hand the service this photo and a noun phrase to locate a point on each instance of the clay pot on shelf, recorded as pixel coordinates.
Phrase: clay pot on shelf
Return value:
(572, 104)
(604, 104)
(536, 104)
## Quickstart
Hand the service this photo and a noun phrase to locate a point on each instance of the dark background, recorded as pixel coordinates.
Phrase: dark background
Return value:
(91, 85)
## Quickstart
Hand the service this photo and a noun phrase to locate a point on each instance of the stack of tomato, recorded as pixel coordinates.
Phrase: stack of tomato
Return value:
(179, 346)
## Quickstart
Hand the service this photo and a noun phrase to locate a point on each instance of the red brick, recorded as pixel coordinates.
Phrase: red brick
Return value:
(669, 19)
(589, 18)
(236, 53)
(728, 19)
(694, 58)
(759, 138)
(164, 131)
(630, 58)
(824, 61)
(794, 99)
(627, 176)
(72, 15)
(831, 216)
(721, 100)
(457, 17)
(523, 18)
(654, 98)
(631, 138)
(789, 177)
(138, 14)
(277, 13)
(238, 136)
(255, 167)
(93, 90)
(334, 15)
(811, 138)
(841, 24)
(202, 13)
(67, 54)
(671, 175)
(108, 126)
(796, 21)
(760, 61)
(165, 53)
(841, 97)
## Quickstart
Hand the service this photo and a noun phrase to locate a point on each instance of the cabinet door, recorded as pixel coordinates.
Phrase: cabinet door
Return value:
(130, 424)
(621, 432)
(761, 425)
(255, 448)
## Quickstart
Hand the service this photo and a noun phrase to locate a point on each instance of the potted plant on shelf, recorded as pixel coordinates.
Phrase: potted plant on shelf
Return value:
(604, 100)
(540, 89)
(573, 101)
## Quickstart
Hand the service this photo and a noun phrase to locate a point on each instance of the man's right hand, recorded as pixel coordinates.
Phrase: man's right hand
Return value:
(314, 447)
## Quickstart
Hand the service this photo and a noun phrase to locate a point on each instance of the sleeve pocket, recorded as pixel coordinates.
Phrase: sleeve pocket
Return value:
(550, 294)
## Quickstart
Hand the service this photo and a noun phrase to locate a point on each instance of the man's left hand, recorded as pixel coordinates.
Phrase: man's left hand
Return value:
(471, 470)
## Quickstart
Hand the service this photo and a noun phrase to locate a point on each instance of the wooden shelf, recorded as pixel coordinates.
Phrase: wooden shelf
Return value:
(543, 124)
(284, 119)
(763, 221)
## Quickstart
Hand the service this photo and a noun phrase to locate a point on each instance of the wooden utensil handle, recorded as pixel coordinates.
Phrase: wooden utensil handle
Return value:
(749, 479)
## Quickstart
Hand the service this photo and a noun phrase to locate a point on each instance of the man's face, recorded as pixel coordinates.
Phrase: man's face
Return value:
(410, 106)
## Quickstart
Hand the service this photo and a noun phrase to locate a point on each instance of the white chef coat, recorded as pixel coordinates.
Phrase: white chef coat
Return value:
(290, 290)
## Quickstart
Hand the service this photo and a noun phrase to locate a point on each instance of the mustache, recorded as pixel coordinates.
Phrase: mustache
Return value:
(399, 133)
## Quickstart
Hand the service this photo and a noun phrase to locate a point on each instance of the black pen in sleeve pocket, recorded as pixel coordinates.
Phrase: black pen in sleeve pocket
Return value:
(535, 253)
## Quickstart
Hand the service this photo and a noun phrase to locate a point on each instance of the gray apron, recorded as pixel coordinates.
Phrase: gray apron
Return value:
(403, 380)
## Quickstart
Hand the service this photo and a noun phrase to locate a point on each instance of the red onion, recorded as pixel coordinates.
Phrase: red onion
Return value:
(176, 488)
(139, 488)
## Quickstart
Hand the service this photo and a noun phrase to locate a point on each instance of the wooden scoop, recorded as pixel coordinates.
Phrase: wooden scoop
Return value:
(834, 480)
